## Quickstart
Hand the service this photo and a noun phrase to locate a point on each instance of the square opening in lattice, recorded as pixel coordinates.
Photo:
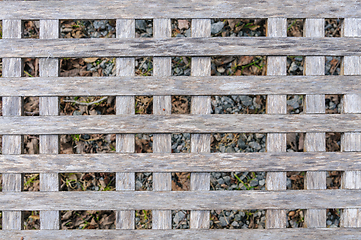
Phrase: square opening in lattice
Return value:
(333, 27)
(239, 104)
(237, 219)
(181, 27)
(238, 142)
(143, 66)
(238, 27)
(87, 28)
(333, 217)
(181, 66)
(144, 28)
(181, 143)
(295, 104)
(295, 27)
(333, 104)
(31, 182)
(181, 104)
(295, 65)
(87, 143)
(31, 144)
(295, 218)
(295, 142)
(143, 219)
(31, 67)
(31, 29)
(143, 104)
(333, 179)
(31, 106)
(143, 143)
(87, 105)
(87, 220)
(333, 142)
(144, 181)
(31, 220)
(295, 180)
(180, 219)
(238, 65)
(87, 67)
(87, 181)
(333, 65)
(181, 181)
(238, 181)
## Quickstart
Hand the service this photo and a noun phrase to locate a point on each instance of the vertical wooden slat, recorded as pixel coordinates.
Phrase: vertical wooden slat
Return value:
(162, 66)
(125, 143)
(315, 142)
(12, 144)
(351, 141)
(200, 66)
(276, 104)
(49, 144)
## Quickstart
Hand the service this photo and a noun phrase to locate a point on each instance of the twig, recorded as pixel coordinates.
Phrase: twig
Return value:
(85, 103)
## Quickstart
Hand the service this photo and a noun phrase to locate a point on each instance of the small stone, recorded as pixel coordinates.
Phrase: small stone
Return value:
(221, 69)
(241, 144)
(179, 216)
(293, 103)
(229, 150)
(77, 113)
(246, 100)
(138, 185)
(222, 149)
(328, 222)
(220, 181)
(261, 182)
(183, 24)
(217, 27)
(235, 224)
(253, 183)
(187, 33)
(332, 105)
(141, 25)
(224, 221)
(255, 145)
(293, 67)
(227, 179)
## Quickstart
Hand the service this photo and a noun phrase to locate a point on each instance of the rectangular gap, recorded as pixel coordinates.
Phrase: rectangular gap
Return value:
(295, 218)
(333, 65)
(31, 67)
(295, 104)
(143, 104)
(143, 143)
(31, 106)
(239, 104)
(181, 66)
(87, 181)
(181, 181)
(181, 27)
(333, 27)
(31, 29)
(31, 220)
(180, 219)
(237, 181)
(87, 143)
(295, 142)
(87, 105)
(295, 180)
(31, 182)
(333, 142)
(143, 219)
(238, 219)
(238, 65)
(333, 217)
(238, 27)
(181, 104)
(1, 30)
(295, 27)
(1, 218)
(1, 106)
(181, 143)
(238, 142)
(87, 28)
(1, 66)
(295, 65)
(333, 179)
(92, 219)
(87, 67)
(144, 28)
(144, 181)
(144, 66)
(31, 144)
(1, 184)
(333, 104)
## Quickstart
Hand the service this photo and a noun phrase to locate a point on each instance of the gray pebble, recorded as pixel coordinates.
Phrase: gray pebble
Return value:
(217, 27)
(224, 221)
(253, 183)
(179, 216)
(255, 145)
(141, 25)
(261, 182)
(246, 100)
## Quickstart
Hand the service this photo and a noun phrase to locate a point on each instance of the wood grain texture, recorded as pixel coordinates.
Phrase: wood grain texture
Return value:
(315, 218)
(12, 144)
(116, 9)
(162, 105)
(168, 47)
(125, 143)
(276, 104)
(191, 200)
(351, 141)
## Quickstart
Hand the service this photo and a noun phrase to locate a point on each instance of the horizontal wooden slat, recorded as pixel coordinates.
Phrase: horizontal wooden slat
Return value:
(167, 47)
(188, 200)
(103, 9)
(184, 123)
(241, 234)
(178, 85)
(181, 162)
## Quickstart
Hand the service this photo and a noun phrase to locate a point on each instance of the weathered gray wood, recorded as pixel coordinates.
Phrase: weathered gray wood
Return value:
(178, 85)
(49, 144)
(351, 141)
(220, 123)
(162, 105)
(191, 200)
(12, 144)
(125, 143)
(102, 9)
(167, 47)
(276, 104)
(315, 218)
(200, 105)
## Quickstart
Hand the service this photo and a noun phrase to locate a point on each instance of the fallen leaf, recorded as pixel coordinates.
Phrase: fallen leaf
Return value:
(244, 60)
(90, 60)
